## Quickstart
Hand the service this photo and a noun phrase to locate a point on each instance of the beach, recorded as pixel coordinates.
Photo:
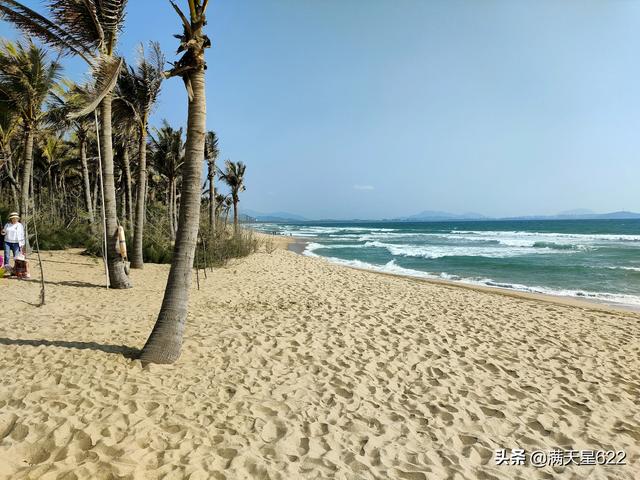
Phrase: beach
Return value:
(294, 367)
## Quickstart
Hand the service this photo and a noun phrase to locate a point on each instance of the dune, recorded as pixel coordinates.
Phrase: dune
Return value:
(294, 368)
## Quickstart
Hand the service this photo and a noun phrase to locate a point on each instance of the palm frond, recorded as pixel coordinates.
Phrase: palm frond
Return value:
(105, 71)
(211, 149)
(80, 18)
(36, 25)
(111, 14)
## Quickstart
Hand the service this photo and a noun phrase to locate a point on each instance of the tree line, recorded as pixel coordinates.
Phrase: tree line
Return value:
(70, 150)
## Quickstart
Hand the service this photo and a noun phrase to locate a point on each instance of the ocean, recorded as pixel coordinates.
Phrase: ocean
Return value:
(591, 259)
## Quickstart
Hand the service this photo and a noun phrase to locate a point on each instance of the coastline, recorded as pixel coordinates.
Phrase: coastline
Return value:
(299, 244)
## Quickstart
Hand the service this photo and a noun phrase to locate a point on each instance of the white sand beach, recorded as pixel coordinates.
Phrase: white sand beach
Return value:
(294, 368)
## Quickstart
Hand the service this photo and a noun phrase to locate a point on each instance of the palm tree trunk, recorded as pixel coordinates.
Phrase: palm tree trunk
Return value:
(235, 214)
(137, 260)
(117, 276)
(165, 342)
(85, 180)
(26, 179)
(170, 206)
(128, 188)
(123, 204)
(14, 191)
(212, 195)
(175, 205)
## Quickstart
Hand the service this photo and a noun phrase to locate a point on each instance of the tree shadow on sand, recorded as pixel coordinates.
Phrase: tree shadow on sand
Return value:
(67, 283)
(125, 351)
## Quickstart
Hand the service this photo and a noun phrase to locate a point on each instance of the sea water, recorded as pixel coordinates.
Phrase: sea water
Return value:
(594, 259)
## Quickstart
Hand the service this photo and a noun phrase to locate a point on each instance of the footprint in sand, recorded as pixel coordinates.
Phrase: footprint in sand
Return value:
(273, 430)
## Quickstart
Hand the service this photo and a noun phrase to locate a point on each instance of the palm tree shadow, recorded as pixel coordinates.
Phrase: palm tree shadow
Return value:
(124, 350)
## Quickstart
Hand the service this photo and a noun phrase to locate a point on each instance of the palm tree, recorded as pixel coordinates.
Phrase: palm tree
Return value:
(26, 79)
(136, 94)
(220, 200)
(165, 342)
(211, 152)
(88, 29)
(53, 147)
(8, 127)
(234, 177)
(61, 105)
(168, 155)
(226, 207)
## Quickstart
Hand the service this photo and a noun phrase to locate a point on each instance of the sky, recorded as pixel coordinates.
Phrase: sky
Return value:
(384, 108)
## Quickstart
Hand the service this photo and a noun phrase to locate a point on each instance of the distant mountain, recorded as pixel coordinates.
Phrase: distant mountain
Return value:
(435, 216)
(275, 216)
(579, 214)
(438, 216)
(622, 215)
(577, 211)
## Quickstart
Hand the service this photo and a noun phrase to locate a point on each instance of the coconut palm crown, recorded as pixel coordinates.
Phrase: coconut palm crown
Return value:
(233, 175)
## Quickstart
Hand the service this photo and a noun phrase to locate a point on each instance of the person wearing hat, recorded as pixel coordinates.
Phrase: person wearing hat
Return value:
(13, 233)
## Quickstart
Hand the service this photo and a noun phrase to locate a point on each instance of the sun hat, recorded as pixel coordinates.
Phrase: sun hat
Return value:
(20, 257)
(14, 215)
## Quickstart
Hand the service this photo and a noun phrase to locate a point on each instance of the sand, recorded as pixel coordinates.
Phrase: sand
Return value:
(296, 368)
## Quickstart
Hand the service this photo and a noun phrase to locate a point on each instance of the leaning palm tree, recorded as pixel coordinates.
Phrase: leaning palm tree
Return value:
(136, 93)
(165, 342)
(167, 157)
(233, 175)
(211, 152)
(26, 79)
(88, 29)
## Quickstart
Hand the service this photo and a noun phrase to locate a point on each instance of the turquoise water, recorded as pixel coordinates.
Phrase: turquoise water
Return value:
(595, 259)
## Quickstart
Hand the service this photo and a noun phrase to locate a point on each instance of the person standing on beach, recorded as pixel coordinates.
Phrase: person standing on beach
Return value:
(13, 233)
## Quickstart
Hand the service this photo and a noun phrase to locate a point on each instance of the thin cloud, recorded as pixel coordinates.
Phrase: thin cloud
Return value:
(363, 187)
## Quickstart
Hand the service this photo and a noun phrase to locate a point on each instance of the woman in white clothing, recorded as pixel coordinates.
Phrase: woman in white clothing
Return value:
(13, 233)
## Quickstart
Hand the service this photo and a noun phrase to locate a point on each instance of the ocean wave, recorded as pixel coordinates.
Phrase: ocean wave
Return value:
(607, 237)
(393, 268)
(441, 251)
(332, 246)
(631, 269)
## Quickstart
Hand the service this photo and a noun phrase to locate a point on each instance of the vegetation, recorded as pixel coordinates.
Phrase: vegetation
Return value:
(233, 175)
(80, 162)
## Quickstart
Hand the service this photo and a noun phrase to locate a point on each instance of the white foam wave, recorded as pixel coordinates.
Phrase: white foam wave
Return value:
(606, 237)
(392, 267)
(441, 251)
(632, 269)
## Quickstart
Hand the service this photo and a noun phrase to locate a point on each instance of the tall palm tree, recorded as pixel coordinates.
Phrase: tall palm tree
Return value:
(62, 103)
(136, 93)
(211, 152)
(168, 157)
(8, 127)
(88, 29)
(165, 342)
(233, 175)
(26, 79)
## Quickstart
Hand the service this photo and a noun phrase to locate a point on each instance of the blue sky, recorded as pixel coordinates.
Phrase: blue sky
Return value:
(371, 109)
